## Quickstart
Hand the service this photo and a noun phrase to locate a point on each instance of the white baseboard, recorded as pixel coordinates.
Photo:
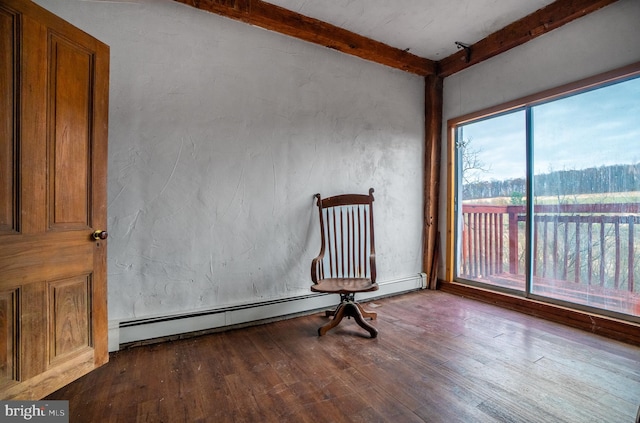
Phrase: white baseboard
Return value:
(114, 335)
(127, 332)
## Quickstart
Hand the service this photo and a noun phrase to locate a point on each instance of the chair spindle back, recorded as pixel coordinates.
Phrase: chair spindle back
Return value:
(347, 247)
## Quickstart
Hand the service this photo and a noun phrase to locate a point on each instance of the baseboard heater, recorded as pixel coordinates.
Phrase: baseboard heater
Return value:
(130, 332)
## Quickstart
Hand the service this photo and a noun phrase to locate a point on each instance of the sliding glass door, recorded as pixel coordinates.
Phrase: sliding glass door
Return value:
(586, 191)
(491, 163)
(547, 198)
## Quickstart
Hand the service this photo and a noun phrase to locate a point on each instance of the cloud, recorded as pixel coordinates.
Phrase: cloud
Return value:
(595, 128)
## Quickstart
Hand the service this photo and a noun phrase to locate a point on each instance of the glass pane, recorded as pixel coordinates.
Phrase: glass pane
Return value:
(491, 222)
(586, 194)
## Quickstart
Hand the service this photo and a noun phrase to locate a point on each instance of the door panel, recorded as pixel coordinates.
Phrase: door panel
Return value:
(69, 139)
(8, 322)
(70, 316)
(8, 102)
(53, 316)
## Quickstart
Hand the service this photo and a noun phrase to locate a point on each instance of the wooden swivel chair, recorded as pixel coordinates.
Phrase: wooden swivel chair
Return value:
(346, 264)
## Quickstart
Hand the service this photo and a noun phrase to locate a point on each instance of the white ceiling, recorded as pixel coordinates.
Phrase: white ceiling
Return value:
(428, 28)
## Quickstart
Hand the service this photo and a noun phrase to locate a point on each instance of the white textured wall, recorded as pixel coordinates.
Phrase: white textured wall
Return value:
(604, 40)
(220, 134)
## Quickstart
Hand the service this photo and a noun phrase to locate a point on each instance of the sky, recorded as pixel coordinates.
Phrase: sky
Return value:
(597, 128)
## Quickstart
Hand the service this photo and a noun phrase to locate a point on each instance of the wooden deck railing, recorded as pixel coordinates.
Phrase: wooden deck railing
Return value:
(589, 244)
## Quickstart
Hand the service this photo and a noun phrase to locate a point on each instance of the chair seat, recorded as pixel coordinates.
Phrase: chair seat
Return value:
(344, 285)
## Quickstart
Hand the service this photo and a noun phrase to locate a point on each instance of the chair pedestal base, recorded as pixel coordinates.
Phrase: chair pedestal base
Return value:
(350, 309)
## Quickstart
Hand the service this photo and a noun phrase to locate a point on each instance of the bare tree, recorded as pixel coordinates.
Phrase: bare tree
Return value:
(472, 165)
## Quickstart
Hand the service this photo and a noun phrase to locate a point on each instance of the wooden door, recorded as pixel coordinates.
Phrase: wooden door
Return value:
(53, 161)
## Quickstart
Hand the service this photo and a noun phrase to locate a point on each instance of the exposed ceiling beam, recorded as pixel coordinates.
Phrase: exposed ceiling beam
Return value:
(519, 32)
(278, 19)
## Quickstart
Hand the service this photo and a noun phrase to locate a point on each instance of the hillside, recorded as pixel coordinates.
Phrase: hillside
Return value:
(604, 179)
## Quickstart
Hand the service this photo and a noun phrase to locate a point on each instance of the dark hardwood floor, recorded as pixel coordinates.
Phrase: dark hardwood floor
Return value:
(438, 358)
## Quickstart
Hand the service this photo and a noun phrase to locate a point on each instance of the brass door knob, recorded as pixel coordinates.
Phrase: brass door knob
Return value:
(100, 235)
